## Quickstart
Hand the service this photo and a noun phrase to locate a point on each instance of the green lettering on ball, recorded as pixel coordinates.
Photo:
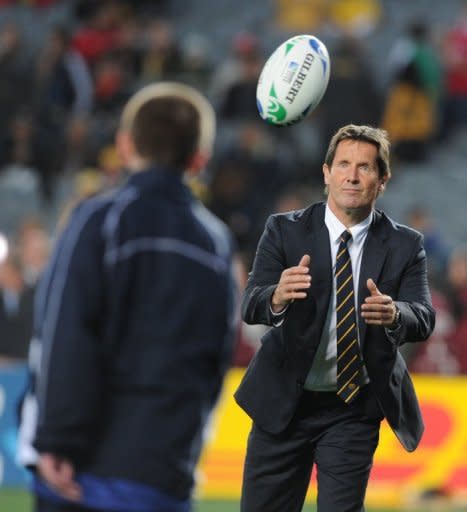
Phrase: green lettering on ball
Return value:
(276, 112)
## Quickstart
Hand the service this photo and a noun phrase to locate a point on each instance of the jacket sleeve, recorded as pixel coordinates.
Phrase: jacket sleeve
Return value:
(262, 281)
(69, 384)
(414, 300)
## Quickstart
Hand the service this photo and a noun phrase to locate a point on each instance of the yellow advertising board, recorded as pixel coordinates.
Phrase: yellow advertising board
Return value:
(439, 462)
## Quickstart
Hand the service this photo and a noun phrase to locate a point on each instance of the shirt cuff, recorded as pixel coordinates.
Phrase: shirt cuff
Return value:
(278, 318)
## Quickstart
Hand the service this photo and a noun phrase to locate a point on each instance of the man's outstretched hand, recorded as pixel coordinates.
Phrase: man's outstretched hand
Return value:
(293, 283)
(378, 309)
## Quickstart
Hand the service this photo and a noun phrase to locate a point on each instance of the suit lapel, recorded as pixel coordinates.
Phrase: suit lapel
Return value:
(320, 253)
(306, 317)
(373, 258)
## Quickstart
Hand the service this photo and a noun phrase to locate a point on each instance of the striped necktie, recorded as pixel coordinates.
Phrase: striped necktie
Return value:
(349, 359)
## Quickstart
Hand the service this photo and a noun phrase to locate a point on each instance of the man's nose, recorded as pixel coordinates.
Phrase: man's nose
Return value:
(353, 174)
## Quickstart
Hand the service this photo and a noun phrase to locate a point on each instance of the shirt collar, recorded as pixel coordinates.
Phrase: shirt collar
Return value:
(335, 226)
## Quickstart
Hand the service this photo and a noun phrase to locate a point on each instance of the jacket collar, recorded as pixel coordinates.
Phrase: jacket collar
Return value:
(169, 180)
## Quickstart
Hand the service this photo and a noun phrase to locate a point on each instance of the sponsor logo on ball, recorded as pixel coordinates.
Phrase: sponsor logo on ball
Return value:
(289, 71)
(298, 82)
(276, 112)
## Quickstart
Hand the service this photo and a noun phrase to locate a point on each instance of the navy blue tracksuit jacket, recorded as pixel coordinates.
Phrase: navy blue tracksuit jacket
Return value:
(135, 319)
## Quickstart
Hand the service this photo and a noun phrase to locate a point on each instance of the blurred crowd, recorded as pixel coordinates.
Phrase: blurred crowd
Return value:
(60, 100)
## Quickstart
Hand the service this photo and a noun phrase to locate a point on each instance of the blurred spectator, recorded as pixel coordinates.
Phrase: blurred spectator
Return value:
(455, 61)
(356, 17)
(227, 72)
(16, 302)
(112, 83)
(161, 56)
(412, 104)
(85, 9)
(436, 248)
(301, 15)
(102, 31)
(63, 83)
(110, 166)
(29, 145)
(352, 94)
(17, 146)
(81, 144)
(31, 3)
(436, 356)
(197, 66)
(247, 176)
(15, 71)
(457, 289)
(238, 100)
(33, 243)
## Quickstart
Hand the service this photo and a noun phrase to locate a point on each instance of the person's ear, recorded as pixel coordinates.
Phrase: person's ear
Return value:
(125, 147)
(326, 174)
(197, 163)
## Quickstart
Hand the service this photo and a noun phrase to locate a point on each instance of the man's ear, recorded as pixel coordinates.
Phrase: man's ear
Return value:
(382, 186)
(197, 163)
(326, 174)
(125, 147)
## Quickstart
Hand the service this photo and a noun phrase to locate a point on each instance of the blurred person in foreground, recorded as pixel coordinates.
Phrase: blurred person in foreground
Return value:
(342, 287)
(134, 325)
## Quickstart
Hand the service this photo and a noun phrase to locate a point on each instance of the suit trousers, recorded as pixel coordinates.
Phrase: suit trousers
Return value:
(338, 438)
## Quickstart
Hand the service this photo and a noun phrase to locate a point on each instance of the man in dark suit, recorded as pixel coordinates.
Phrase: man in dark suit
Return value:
(343, 286)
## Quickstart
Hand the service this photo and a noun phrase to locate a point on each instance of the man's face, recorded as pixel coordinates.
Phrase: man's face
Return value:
(353, 179)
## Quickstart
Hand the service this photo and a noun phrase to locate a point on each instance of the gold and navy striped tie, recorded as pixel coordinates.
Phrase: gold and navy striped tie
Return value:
(349, 359)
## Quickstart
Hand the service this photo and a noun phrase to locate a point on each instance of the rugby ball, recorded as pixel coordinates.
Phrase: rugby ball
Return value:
(293, 80)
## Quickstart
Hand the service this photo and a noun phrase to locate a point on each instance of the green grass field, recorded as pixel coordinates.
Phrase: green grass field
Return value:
(20, 501)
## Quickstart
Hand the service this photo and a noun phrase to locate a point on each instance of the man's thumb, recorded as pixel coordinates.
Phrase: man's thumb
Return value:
(372, 287)
(305, 261)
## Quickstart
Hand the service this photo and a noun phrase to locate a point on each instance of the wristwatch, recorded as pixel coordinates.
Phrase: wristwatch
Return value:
(397, 318)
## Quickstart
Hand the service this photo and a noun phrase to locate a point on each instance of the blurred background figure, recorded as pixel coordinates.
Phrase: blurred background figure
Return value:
(238, 99)
(33, 242)
(411, 114)
(15, 72)
(161, 56)
(455, 62)
(243, 45)
(16, 311)
(352, 92)
(420, 218)
(456, 291)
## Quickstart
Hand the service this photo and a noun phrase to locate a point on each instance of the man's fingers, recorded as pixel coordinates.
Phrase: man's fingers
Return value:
(59, 474)
(296, 278)
(372, 287)
(305, 261)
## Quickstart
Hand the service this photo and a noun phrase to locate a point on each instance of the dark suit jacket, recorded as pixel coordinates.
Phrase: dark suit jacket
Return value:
(394, 258)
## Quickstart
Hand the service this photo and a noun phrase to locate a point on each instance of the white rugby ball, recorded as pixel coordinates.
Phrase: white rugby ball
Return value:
(293, 80)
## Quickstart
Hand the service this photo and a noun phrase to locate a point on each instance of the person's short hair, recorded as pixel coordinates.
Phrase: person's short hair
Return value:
(169, 122)
(376, 136)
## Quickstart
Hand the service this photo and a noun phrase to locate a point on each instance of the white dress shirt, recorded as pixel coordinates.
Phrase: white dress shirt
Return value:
(323, 373)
